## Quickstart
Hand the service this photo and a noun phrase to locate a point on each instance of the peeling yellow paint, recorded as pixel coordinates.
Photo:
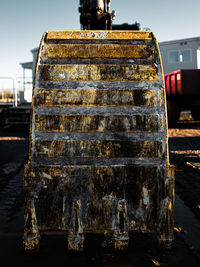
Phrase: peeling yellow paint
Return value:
(98, 149)
(92, 35)
(47, 176)
(98, 123)
(98, 97)
(155, 262)
(97, 51)
(101, 72)
(179, 229)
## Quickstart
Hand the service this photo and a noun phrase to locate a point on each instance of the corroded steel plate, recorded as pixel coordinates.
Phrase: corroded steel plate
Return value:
(98, 157)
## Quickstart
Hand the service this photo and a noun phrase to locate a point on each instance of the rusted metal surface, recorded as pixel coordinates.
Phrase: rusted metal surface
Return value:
(98, 97)
(31, 231)
(99, 35)
(98, 159)
(97, 184)
(97, 51)
(98, 123)
(98, 149)
(100, 72)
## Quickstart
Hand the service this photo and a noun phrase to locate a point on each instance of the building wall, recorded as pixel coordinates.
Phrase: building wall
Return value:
(34, 53)
(180, 48)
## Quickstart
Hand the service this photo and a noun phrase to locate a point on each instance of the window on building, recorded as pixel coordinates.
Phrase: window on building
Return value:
(186, 55)
(173, 57)
(179, 56)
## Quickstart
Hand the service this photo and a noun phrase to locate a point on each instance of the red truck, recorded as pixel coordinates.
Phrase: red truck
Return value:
(183, 93)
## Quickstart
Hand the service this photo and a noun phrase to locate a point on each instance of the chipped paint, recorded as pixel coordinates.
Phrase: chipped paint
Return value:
(100, 72)
(121, 237)
(95, 35)
(97, 51)
(76, 236)
(98, 97)
(31, 231)
(145, 196)
(83, 123)
(98, 149)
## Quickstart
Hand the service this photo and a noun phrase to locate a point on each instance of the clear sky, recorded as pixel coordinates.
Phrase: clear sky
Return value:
(22, 23)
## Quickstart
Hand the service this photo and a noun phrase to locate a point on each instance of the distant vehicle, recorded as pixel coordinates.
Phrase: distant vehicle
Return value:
(183, 93)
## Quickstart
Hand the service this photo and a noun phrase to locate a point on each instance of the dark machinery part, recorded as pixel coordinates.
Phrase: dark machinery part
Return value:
(126, 27)
(95, 15)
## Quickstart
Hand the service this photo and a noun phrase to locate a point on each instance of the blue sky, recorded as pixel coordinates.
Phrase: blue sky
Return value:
(22, 23)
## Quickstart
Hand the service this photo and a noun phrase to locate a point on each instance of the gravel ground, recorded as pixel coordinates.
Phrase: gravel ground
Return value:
(184, 148)
(184, 154)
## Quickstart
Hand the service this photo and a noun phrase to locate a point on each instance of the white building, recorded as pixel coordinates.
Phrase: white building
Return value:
(26, 94)
(180, 54)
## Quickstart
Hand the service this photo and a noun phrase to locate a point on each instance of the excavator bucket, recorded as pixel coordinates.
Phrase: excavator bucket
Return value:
(98, 155)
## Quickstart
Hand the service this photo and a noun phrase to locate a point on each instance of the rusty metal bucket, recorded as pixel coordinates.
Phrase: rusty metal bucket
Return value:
(98, 159)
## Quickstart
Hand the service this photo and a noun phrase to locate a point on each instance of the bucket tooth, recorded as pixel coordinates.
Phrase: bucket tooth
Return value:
(165, 228)
(121, 236)
(76, 236)
(165, 231)
(31, 240)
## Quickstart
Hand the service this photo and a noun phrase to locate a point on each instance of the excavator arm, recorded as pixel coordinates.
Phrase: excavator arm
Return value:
(95, 15)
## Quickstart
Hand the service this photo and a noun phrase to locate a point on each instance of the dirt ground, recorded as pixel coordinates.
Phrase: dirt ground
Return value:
(184, 152)
(184, 145)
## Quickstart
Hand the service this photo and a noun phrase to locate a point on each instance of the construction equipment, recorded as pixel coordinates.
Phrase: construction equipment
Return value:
(98, 158)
